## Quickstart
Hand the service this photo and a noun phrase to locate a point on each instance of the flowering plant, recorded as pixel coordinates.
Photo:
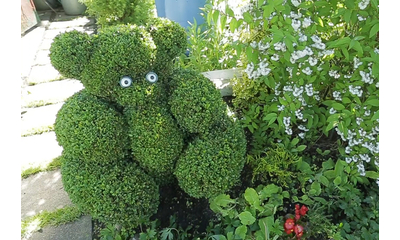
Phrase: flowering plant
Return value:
(293, 225)
(312, 69)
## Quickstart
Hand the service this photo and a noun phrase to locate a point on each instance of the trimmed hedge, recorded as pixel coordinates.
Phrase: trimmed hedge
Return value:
(69, 52)
(114, 193)
(156, 141)
(191, 90)
(212, 162)
(90, 128)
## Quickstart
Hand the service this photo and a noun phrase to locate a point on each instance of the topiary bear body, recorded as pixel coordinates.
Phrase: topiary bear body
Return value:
(139, 122)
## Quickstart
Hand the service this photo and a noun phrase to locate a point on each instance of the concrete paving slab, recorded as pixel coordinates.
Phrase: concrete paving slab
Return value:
(46, 44)
(29, 46)
(39, 117)
(42, 57)
(76, 22)
(52, 91)
(80, 229)
(43, 191)
(43, 73)
(39, 150)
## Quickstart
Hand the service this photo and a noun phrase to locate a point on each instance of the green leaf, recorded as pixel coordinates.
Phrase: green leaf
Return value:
(246, 218)
(372, 174)
(330, 174)
(252, 197)
(233, 24)
(268, 9)
(215, 16)
(247, 17)
(324, 180)
(375, 116)
(294, 141)
(230, 12)
(268, 191)
(241, 231)
(374, 30)
(338, 106)
(337, 180)
(346, 100)
(270, 116)
(223, 200)
(223, 22)
(340, 42)
(301, 148)
(317, 187)
(372, 101)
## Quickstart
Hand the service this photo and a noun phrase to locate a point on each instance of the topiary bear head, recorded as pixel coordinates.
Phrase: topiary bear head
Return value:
(128, 64)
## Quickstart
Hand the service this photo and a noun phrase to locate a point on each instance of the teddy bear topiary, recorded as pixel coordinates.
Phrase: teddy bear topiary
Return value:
(140, 123)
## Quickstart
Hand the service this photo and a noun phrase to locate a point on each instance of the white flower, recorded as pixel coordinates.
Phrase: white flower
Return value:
(328, 51)
(262, 46)
(309, 90)
(317, 97)
(303, 128)
(361, 18)
(307, 22)
(320, 46)
(289, 131)
(316, 39)
(356, 90)
(302, 135)
(312, 61)
(332, 111)
(348, 160)
(307, 71)
(298, 91)
(253, 44)
(365, 158)
(365, 77)
(280, 46)
(376, 50)
(336, 95)
(281, 107)
(286, 121)
(359, 120)
(299, 115)
(296, 3)
(288, 88)
(275, 57)
(377, 84)
(363, 4)
(361, 168)
(302, 37)
(347, 150)
(357, 62)
(295, 15)
(249, 68)
(334, 74)
(296, 24)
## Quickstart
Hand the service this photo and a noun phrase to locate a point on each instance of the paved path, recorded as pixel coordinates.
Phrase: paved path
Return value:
(41, 84)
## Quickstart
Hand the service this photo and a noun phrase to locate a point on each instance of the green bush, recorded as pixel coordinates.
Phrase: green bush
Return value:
(69, 52)
(196, 92)
(311, 72)
(120, 11)
(90, 128)
(212, 163)
(114, 193)
(156, 140)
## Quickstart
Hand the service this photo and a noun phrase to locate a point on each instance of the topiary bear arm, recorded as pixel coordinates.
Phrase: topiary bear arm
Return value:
(70, 52)
(170, 39)
(195, 102)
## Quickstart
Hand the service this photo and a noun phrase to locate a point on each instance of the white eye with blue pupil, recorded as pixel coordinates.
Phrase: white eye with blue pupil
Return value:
(125, 81)
(152, 77)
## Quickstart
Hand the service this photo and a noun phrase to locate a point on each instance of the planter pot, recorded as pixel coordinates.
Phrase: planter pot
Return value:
(182, 11)
(73, 7)
(160, 6)
(222, 79)
(41, 5)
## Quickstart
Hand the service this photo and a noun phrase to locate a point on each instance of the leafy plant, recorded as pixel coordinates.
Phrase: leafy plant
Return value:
(252, 215)
(312, 69)
(120, 11)
(113, 233)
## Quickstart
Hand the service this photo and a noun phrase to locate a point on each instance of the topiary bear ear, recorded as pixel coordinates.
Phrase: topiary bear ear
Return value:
(169, 37)
(69, 53)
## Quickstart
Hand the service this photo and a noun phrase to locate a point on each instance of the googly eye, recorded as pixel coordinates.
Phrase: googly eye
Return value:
(152, 77)
(125, 81)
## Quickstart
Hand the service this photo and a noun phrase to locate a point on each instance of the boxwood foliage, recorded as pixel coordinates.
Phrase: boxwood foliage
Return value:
(156, 140)
(91, 128)
(170, 39)
(114, 193)
(213, 161)
(69, 51)
(191, 90)
(123, 50)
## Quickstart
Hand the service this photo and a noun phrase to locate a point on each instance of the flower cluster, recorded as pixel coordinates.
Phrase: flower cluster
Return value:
(292, 225)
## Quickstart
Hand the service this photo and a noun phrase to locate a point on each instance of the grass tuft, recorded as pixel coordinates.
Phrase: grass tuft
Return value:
(38, 130)
(53, 165)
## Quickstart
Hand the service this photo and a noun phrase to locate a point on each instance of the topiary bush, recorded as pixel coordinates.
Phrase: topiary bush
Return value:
(89, 127)
(116, 12)
(117, 193)
(137, 119)
(213, 161)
